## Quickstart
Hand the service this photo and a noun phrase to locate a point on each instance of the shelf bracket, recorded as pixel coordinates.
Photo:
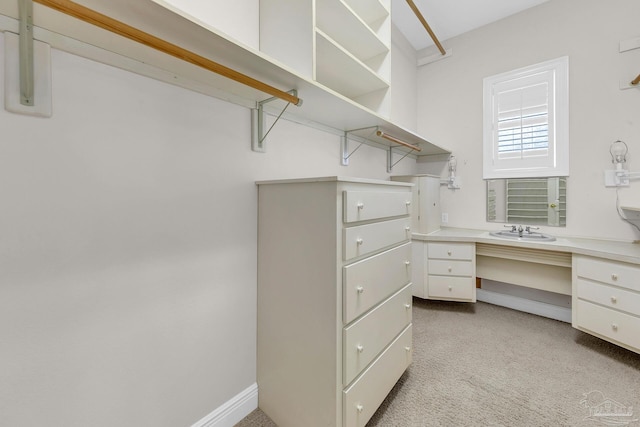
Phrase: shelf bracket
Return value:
(26, 52)
(390, 162)
(258, 135)
(344, 145)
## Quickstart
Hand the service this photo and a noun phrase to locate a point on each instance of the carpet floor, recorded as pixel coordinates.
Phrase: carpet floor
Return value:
(485, 365)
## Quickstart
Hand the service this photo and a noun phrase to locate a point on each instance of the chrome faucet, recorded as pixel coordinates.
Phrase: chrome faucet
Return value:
(520, 230)
(528, 228)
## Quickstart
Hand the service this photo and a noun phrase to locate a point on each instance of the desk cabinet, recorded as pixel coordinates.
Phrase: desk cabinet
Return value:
(606, 300)
(334, 298)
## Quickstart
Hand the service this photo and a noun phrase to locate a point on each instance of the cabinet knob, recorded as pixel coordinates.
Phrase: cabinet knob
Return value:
(359, 241)
(360, 205)
(450, 288)
(407, 263)
(614, 299)
(449, 253)
(449, 269)
(407, 306)
(359, 407)
(360, 348)
(614, 276)
(407, 349)
(408, 203)
(360, 289)
(407, 229)
(614, 326)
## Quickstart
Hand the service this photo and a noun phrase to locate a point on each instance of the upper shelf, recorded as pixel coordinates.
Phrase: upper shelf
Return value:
(321, 105)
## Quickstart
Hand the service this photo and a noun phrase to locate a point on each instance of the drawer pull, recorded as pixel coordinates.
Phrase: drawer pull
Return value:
(614, 299)
(360, 348)
(408, 203)
(449, 253)
(359, 241)
(614, 276)
(407, 229)
(360, 289)
(359, 407)
(407, 263)
(360, 206)
(450, 288)
(407, 306)
(449, 269)
(407, 349)
(614, 326)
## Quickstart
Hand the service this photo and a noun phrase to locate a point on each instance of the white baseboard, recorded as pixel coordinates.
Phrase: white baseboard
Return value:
(551, 311)
(233, 410)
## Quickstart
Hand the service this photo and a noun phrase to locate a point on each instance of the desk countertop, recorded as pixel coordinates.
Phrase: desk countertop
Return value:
(609, 249)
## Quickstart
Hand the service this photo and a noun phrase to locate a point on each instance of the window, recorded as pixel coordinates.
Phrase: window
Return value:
(526, 122)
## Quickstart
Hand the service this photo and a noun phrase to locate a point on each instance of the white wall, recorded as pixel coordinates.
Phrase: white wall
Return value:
(404, 78)
(589, 32)
(128, 248)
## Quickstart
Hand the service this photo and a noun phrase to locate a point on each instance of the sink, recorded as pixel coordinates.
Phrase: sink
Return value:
(526, 237)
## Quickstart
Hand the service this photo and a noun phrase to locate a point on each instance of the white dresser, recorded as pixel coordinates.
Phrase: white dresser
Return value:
(334, 298)
(606, 300)
(450, 271)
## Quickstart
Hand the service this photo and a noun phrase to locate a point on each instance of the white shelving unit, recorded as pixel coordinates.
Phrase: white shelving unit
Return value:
(323, 107)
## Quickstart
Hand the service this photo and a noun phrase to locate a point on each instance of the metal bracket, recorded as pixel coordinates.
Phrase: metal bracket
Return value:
(344, 146)
(258, 135)
(390, 163)
(26, 52)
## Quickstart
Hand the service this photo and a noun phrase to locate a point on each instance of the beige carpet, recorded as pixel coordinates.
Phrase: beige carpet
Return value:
(484, 365)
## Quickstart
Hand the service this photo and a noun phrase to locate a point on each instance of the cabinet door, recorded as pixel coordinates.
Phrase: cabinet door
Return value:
(429, 205)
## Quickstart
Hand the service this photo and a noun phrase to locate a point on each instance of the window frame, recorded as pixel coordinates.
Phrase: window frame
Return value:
(554, 73)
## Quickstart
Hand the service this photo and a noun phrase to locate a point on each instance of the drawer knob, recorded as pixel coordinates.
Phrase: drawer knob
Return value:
(360, 348)
(359, 407)
(614, 326)
(359, 241)
(408, 203)
(407, 349)
(407, 263)
(449, 253)
(614, 299)
(360, 205)
(449, 269)
(407, 306)
(407, 229)
(614, 276)
(450, 288)
(360, 289)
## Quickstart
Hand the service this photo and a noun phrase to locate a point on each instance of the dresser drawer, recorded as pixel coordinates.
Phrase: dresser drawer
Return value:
(365, 338)
(609, 324)
(367, 205)
(610, 272)
(446, 250)
(361, 400)
(609, 296)
(364, 239)
(453, 288)
(450, 268)
(367, 282)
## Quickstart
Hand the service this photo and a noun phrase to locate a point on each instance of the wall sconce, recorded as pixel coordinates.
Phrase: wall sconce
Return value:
(453, 182)
(618, 177)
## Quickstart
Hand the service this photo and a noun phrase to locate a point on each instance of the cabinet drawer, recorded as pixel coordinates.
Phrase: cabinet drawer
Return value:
(367, 282)
(452, 288)
(366, 205)
(364, 239)
(446, 250)
(365, 338)
(450, 268)
(609, 324)
(609, 296)
(611, 272)
(361, 400)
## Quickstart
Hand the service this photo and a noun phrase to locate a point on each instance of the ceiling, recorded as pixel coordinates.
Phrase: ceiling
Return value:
(449, 18)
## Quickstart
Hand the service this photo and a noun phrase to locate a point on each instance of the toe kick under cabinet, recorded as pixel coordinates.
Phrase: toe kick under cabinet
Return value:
(334, 298)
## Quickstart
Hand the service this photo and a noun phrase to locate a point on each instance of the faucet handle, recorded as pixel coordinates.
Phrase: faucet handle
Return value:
(529, 228)
(513, 227)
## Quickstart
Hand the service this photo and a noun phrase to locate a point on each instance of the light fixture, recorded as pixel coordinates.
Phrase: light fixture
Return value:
(618, 150)
(453, 182)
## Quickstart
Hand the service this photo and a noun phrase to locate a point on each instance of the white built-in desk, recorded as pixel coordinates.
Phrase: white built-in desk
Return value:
(602, 276)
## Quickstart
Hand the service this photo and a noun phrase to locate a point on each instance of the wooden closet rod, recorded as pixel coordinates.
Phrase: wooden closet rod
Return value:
(426, 26)
(636, 80)
(397, 141)
(91, 16)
